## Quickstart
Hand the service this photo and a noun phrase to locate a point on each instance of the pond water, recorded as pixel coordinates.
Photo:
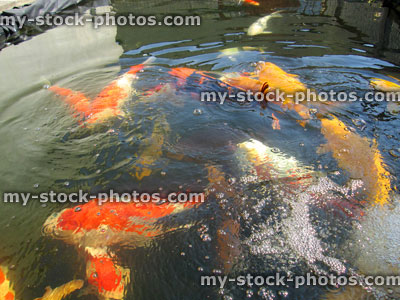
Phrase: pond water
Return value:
(331, 45)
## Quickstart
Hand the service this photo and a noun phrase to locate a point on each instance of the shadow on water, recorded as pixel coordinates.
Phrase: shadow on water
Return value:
(333, 44)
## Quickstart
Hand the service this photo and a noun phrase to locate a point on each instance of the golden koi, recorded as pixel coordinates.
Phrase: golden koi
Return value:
(384, 85)
(359, 157)
(151, 150)
(62, 291)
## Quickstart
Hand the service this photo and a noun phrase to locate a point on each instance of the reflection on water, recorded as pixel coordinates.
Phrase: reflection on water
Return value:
(167, 140)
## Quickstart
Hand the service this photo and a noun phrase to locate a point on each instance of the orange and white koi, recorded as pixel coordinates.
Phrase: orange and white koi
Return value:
(95, 227)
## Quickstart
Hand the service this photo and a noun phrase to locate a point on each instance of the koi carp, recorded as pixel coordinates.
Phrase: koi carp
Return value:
(252, 2)
(358, 156)
(61, 291)
(385, 85)
(95, 227)
(106, 104)
(6, 291)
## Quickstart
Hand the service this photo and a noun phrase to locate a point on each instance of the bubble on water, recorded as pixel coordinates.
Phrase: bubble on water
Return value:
(220, 195)
(183, 253)
(249, 293)
(197, 112)
(216, 271)
(275, 150)
(44, 205)
(301, 144)
(232, 180)
(36, 185)
(262, 292)
(66, 183)
(283, 294)
(200, 269)
(206, 257)
(46, 86)
(205, 237)
(98, 171)
(359, 123)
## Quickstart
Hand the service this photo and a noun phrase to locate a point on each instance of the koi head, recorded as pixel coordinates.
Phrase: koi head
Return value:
(70, 222)
(278, 78)
(104, 276)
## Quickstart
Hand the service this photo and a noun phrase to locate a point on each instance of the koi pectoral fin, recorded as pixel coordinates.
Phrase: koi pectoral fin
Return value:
(77, 100)
(275, 123)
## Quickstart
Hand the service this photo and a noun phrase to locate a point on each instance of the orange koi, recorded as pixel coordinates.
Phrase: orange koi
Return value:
(95, 226)
(6, 291)
(108, 102)
(252, 2)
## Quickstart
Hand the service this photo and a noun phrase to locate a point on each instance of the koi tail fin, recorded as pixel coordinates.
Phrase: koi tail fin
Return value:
(134, 69)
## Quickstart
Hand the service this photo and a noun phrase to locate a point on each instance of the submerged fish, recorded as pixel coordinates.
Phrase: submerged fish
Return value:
(358, 156)
(261, 25)
(61, 291)
(252, 2)
(6, 291)
(385, 85)
(95, 227)
(270, 163)
(107, 103)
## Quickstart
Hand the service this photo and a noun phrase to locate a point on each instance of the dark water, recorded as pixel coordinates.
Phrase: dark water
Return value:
(336, 45)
